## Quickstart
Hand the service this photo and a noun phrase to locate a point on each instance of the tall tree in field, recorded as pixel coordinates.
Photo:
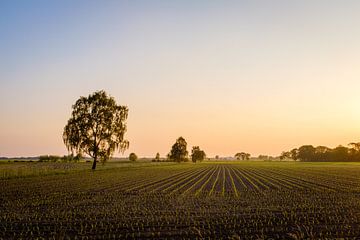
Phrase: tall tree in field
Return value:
(197, 154)
(178, 151)
(96, 127)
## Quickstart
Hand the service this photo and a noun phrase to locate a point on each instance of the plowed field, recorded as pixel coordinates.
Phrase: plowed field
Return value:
(208, 200)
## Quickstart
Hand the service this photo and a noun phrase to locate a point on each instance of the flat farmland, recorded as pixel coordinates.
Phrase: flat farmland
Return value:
(218, 200)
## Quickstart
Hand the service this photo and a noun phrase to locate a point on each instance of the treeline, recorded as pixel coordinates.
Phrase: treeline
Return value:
(56, 158)
(309, 153)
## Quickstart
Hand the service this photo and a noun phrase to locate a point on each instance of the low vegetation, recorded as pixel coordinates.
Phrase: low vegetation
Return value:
(55, 158)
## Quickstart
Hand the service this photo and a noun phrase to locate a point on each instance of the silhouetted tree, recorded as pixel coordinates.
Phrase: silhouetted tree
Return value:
(133, 157)
(355, 146)
(97, 127)
(242, 156)
(306, 153)
(285, 155)
(340, 154)
(178, 151)
(294, 154)
(354, 151)
(321, 153)
(157, 157)
(197, 154)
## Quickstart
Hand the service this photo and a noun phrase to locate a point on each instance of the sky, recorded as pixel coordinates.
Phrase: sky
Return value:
(229, 76)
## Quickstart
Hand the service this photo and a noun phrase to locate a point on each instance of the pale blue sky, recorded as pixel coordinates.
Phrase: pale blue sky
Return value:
(255, 76)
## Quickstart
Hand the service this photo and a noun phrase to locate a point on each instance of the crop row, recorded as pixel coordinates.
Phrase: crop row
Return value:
(231, 179)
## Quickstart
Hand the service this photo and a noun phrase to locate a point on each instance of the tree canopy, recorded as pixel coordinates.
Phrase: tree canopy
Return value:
(96, 127)
(197, 154)
(179, 151)
(133, 157)
(285, 155)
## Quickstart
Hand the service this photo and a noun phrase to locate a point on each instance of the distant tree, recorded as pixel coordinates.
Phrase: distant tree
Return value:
(217, 157)
(97, 127)
(285, 155)
(340, 154)
(322, 149)
(294, 154)
(355, 146)
(354, 151)
(197, 154)
(133, 157)
(322, 153)
(157, 157)
(307, 153)
(178, 151)
(49, 158)
(263, 157)
(242, 156)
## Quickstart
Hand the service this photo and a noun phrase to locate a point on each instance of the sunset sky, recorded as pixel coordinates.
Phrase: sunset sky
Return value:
(229, 76)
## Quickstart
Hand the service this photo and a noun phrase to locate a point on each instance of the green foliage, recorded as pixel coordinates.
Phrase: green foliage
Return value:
(178, 151)
(197, 154)
(96, 127)
(133, 157)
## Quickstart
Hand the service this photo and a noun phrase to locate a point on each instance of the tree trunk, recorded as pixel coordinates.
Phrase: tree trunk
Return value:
(94, 163)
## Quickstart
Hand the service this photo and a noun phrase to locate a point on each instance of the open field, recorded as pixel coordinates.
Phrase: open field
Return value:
(30, 169)
(247, 200)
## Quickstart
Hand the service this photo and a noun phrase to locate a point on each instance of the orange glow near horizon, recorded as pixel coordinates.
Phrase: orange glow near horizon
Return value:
(259, 78)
